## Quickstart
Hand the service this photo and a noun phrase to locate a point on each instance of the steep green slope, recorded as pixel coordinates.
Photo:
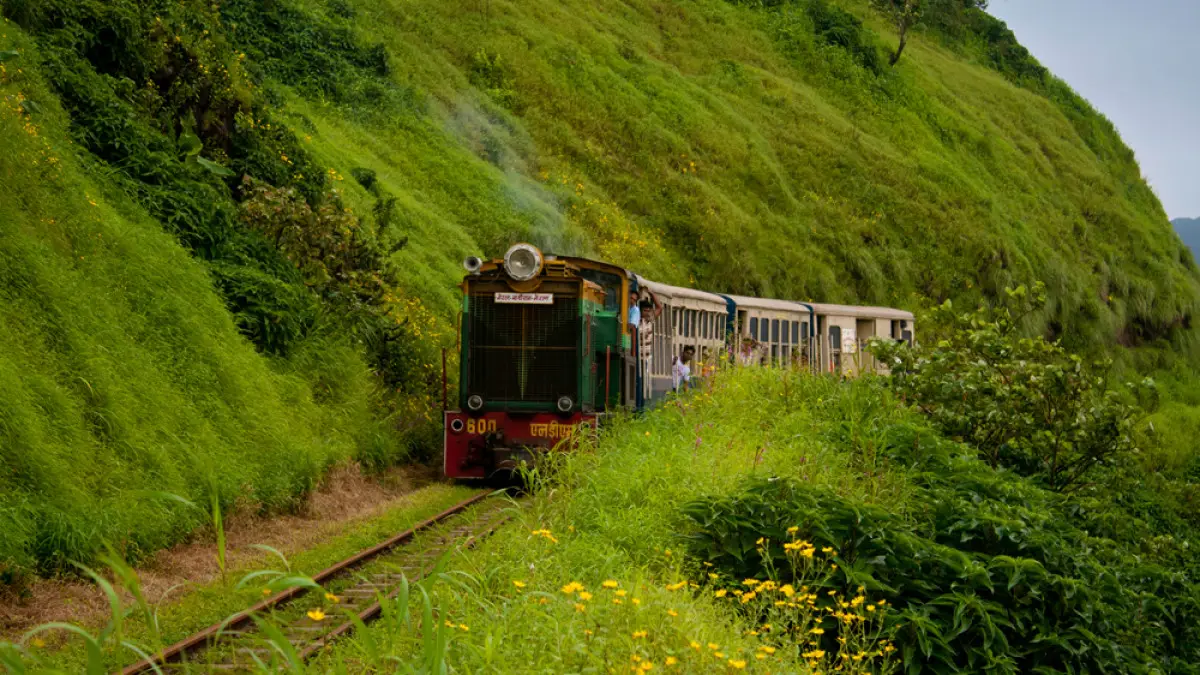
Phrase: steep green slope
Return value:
(122, 373)
(768, 151)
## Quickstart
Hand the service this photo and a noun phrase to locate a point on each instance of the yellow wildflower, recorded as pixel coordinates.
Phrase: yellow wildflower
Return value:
(738, 664)
(37, 642)
(573, 587)
(671, 660)
(793, 529)
(518, 584)
(714, 646)
(316, 615)
(814, 654)
(695, 645)
(621, 593)
(580, 608)
(332, 598)
(671, 612)
(636, 601)
(609, 584)
(721, 593)
(639, 634)
(817, 631)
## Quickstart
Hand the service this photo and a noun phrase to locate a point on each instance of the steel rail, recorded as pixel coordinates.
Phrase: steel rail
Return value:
(204, 638)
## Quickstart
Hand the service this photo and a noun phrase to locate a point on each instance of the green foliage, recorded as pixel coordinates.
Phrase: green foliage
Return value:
(992, 575)
(836, 26)
(1024, 403)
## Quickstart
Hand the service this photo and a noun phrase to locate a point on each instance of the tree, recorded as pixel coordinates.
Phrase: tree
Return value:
(905, 14)
(1023, 403)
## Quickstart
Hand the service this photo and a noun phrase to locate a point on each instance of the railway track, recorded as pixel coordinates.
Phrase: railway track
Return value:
(361, 583)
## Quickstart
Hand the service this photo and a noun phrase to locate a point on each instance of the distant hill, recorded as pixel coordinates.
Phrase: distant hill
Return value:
(1188, 230)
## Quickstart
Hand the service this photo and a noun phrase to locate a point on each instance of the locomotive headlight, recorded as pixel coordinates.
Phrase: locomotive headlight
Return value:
(523, 262)
(475, 402)
(565, 404)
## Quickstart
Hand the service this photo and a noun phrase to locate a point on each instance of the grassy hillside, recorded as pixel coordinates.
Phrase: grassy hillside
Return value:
(283, 192)
(122, 372)
(751, 149)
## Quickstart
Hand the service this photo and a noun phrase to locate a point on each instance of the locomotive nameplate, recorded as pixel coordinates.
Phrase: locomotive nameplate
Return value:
(525, 298)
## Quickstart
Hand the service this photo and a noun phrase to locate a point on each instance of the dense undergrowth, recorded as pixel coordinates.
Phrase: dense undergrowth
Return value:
(328, 163)
(775, 521)
(835, 493)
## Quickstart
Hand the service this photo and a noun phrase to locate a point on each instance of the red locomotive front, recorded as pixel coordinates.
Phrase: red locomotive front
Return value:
(541, 358)
(482, 446)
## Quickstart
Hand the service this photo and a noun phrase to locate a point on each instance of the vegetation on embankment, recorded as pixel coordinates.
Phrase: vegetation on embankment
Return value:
(753, 523)
(328, 163)
(819, 486)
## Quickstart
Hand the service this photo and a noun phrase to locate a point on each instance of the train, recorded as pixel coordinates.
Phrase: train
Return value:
(550, 344)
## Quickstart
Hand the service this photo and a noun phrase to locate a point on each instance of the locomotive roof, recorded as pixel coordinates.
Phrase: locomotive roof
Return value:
(768, 303)
(861, 311)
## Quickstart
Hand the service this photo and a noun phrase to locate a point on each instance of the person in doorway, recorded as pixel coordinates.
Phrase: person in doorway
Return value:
(681, 372)
(649, 309)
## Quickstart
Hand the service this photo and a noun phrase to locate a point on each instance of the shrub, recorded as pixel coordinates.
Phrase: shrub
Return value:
(991, 575)
(1023, 403)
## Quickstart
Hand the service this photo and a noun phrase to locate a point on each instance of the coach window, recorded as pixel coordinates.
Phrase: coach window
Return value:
(775, 330)
(795, 332)
(754, 327)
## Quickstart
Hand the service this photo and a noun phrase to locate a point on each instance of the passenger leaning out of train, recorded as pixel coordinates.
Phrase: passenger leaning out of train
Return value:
(681, 372)
(649, 309)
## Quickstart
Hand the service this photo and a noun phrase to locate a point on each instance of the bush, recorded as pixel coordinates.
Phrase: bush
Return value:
(1023, 403)
(991, 575)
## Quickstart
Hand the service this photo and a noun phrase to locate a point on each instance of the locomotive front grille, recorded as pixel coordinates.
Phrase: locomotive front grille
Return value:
(523, 353)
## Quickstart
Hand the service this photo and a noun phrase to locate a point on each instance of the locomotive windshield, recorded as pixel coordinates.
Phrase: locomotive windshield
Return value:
(522, 353)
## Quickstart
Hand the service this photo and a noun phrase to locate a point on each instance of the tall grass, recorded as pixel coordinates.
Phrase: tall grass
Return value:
(666, 509)
(122, 372)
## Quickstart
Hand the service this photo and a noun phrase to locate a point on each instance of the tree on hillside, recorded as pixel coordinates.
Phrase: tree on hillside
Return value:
(905, 14)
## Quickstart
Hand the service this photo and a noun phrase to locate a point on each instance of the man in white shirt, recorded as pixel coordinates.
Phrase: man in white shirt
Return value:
(681, 372)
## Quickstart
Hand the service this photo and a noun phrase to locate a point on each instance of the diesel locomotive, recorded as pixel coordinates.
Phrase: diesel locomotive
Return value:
(549, 344)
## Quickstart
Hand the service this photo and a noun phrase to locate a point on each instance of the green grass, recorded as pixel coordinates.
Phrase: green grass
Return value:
(190, 609)
(124, 373)
(636, 510)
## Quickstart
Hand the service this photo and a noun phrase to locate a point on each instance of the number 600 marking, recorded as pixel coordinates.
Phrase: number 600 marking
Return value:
(481, 426)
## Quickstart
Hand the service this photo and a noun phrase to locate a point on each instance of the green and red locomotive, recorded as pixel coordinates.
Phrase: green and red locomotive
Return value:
(543, 351)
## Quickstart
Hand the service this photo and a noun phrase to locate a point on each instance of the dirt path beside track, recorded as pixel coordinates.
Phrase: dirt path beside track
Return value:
(345, 497)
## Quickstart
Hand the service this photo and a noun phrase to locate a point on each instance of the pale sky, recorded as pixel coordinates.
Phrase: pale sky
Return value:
(1138, 62)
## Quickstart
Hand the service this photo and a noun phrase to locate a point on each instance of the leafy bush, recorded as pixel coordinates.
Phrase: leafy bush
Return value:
(1023, 403)
(991, 575)
(836, 26)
